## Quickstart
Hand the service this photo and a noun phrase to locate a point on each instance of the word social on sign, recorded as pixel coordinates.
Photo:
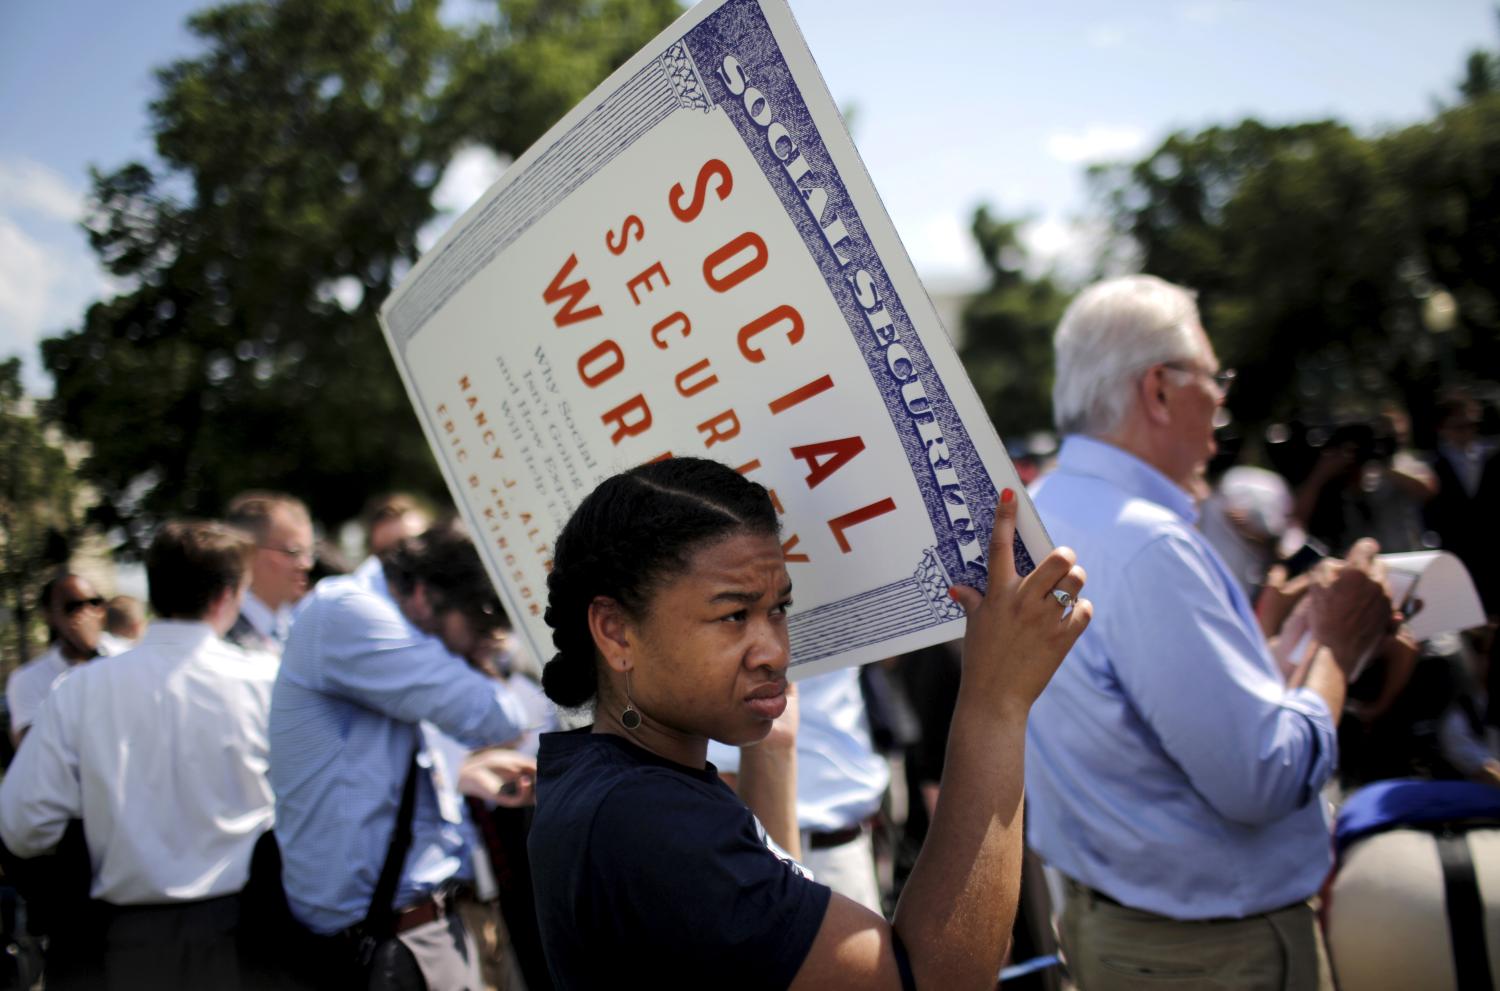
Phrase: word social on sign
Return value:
(694, 262)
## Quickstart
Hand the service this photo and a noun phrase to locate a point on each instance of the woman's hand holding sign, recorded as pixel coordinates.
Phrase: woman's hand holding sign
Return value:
(956, 911)
(1019, 632)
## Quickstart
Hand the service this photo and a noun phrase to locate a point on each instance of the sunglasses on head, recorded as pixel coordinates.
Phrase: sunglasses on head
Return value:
(97, 602)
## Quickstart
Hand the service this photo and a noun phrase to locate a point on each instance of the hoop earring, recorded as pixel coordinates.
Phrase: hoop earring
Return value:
(630, 718)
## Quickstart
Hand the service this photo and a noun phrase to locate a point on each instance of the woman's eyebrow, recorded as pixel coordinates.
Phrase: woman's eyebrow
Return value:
(747, 598)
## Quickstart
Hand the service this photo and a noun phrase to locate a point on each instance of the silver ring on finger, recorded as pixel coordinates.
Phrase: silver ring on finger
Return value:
(1064, 598)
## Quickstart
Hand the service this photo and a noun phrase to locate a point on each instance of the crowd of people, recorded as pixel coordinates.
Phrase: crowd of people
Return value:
(366, 781)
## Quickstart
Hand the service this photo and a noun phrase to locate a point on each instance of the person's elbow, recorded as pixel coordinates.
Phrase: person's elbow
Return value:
(26, 833)
(494, 718)
(1262, 806)
(513, 720)
(1268, 787)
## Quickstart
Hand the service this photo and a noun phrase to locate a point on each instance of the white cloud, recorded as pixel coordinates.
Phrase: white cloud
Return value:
(944, 247)
(28, 186)
(1104, 36)
(473, 170)
(48, 275)
(1048, 237)
(27, 274)
(1095, 143)
(1068, 248)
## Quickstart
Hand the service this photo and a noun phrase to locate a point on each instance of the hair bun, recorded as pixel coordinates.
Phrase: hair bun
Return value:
(569, 680)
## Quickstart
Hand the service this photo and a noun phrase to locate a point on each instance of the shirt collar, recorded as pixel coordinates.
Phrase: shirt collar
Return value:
(267, 622)
(176, 631)
(1082, 455)
(371, 573)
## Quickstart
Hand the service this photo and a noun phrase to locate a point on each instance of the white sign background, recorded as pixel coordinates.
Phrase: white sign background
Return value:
(694, 262)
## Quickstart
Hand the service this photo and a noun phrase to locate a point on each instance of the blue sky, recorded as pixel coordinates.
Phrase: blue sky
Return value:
(956, 104)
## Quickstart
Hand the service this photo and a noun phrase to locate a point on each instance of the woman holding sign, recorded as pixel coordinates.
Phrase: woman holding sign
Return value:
(668, 601)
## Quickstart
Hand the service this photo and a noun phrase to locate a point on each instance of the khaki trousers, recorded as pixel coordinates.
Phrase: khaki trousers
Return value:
(848, 869)
(1109, 947)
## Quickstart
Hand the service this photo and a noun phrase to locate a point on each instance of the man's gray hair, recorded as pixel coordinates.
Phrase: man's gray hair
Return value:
(1112, 332)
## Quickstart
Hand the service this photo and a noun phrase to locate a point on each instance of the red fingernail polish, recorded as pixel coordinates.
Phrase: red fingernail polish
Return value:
(952, 593)
(1007, 496)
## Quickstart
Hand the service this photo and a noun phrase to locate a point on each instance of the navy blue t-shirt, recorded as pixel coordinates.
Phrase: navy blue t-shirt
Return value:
(649, 872)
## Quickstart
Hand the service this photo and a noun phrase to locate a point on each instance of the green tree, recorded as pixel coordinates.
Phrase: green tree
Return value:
(1293, 237)
(40, 511)
(1481, 73)
(1007, 339)
(1312, 247)
(1448, 171)
(514, 79)
(298, 155)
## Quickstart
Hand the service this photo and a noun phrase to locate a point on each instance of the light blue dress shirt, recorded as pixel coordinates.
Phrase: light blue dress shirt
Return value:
(1167, 764)
(356, 680)
(840, 777)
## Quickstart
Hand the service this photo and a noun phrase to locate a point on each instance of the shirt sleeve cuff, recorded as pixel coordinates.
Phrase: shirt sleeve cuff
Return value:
(1325, 759)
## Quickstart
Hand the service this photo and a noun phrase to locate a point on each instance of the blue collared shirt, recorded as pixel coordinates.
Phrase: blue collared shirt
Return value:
(356, 681)
(1167, 763)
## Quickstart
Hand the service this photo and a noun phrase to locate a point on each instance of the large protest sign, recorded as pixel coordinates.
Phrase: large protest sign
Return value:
(694, 262)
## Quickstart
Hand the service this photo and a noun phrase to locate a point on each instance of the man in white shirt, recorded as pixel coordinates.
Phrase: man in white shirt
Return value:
(840, 783)
(74, 611)
(283, 534)
(162, 753)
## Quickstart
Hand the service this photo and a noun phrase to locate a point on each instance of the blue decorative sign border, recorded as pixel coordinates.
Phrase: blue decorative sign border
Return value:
(677, 81)
(667, 84)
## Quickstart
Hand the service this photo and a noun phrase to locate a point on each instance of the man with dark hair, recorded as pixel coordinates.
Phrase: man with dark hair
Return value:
(372, 844)
(74, 611)
(162, 753)
(284, 555)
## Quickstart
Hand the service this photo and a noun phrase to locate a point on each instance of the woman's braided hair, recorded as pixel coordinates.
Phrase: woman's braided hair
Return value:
(630, 534)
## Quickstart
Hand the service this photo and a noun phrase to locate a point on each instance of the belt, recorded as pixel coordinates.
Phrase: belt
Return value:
(837, 837)
(427, 910)
(438, 905)
(1097, 895)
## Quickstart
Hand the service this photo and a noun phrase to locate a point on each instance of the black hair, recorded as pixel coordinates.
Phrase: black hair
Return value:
(44, 600)
(445, 560)
(625, 538)
(44, 594)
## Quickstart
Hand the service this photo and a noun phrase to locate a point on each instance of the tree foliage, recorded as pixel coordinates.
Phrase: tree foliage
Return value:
(40, 511)
(298, 155)
(1293, 236)
(1313, 248)
(1007, 340)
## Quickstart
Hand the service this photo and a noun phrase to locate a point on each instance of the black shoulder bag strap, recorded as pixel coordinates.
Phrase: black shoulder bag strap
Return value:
(380, 919)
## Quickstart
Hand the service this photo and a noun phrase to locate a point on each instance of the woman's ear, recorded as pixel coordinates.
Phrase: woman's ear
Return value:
(611, 628)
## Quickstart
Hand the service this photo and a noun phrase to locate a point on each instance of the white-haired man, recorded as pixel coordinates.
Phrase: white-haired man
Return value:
(1174, 766)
